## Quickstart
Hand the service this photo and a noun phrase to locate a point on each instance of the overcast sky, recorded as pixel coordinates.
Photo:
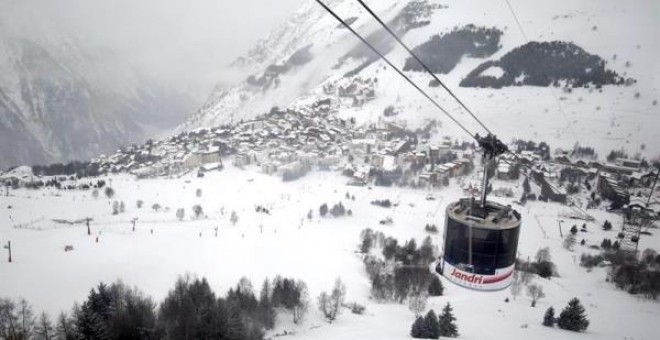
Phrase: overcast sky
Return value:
(182, 40)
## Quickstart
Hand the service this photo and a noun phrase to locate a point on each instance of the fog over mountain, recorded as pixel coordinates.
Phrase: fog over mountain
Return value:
(186, 41)
(82, 77)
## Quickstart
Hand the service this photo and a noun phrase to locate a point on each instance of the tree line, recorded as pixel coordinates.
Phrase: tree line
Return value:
(191, 310)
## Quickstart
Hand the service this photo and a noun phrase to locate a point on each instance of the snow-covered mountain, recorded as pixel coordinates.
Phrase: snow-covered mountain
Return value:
(59, 102)
(600, 56)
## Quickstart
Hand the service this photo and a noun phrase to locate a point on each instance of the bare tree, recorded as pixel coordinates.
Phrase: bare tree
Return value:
(330, 304)
(535, 292)
(417, 303)
(44, 328)
(300, 309)
(16, 321)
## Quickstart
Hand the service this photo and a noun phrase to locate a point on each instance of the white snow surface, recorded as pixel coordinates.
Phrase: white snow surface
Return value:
(315, 251)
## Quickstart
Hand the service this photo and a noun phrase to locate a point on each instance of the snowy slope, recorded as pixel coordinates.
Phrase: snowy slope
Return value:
(316, 251)
(607, 119)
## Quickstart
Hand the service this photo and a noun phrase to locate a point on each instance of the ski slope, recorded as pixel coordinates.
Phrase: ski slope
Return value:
(315, 251)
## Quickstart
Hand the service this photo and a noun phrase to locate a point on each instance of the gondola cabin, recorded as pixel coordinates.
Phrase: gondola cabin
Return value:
(480, 244)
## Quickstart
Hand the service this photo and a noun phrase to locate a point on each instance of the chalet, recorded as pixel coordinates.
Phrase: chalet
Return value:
(327, 161)
(363, 146)
(268, 168)
(629, 163)
(619, 169)
(610, 188)
(359, 100)
(241, 159)
(253, 125)
(293, 170)
(548, 191)
(563, 159)
(323, 105)
(503, 170)
(199, 157)
(428, 178)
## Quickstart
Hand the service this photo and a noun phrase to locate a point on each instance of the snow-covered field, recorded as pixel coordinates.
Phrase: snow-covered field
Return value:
(315, 251)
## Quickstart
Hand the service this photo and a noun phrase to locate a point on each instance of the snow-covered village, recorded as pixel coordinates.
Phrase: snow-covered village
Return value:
(348, 187)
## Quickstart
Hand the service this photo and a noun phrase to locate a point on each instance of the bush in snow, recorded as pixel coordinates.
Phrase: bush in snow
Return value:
(122, 207)
(198, 192)
(357, 308)
(197, 210)
(431, 228)
(156, 207)
(234, 217)
(109, 192)
(139, 204)
(180, 213)
(589, 261)
(323, 210)
(573, 317)
(115, 207)
(338, 210)
(386, 203)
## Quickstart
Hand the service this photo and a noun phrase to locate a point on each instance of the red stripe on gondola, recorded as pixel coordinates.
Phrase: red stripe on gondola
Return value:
(498, 278)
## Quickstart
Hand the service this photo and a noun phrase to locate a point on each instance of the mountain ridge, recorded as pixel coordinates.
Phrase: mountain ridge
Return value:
(602, 29)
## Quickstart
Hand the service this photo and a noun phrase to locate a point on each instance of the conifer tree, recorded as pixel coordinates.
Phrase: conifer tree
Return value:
(436, 288)
(549, 317)
(573, 317)
(448, 327)
(432, 328)
(417, 330)
(266, 306)
(526, 187)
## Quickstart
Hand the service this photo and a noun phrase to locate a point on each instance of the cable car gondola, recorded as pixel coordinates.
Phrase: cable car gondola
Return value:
(480, 244)
(481, 237)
